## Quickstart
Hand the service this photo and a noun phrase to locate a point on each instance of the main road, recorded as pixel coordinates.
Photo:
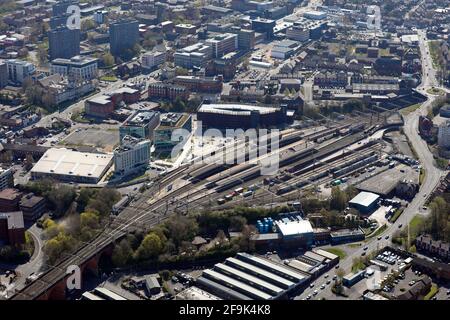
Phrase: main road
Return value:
(432, 177)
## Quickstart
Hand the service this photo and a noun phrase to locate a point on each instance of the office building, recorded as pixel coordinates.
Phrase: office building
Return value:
(222, 44)
(297, 33)
(444, 135)
(123, 36)
(72, 166)
(99, 16)
(63, 43)
(193, 56)
(32, 206)
(6, 178)
(264, 26)
(140, 125)
(131, 155)
(153, 59)
(246, 39)
(19, 70)
(76, 68)
(163, 133)
(3, 74)
(185, 29)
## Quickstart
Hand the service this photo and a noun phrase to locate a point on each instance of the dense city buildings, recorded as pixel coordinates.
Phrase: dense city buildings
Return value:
(239, 149)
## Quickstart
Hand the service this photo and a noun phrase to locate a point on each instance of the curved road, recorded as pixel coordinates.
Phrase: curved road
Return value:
(432, 177)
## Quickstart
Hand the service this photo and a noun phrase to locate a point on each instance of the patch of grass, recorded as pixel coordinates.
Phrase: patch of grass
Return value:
(435, 91)
(408, 110)
(416, 222)
(377, 232)
(358, 264)
(396, 215)
(340, 253)
(354, 245)
(109, 78)
(442, 163)
(434, 289)
(422, 176)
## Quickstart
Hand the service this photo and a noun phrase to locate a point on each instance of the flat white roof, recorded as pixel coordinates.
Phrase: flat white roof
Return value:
(262, 272)
(364, 199)
(232, 108)
(61, 161)
(248, 277)
(237, 284)
(292, 228)
(274, 266)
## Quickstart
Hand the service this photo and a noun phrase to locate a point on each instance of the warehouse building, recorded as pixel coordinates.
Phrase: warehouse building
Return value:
(347, 235)
(72, 166)
(240, 116)
(365, 202)
(295, 231)
(248, 277)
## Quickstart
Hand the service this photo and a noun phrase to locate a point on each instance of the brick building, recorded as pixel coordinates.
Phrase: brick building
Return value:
(32, 207)
(12, 229)
(167, 91)
(9, 200)
(200, 84)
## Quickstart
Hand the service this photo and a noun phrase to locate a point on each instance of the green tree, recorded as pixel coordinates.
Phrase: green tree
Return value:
(61, 198)
(122, 253)
(338, 199)
(90, 219)
(150, 247)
